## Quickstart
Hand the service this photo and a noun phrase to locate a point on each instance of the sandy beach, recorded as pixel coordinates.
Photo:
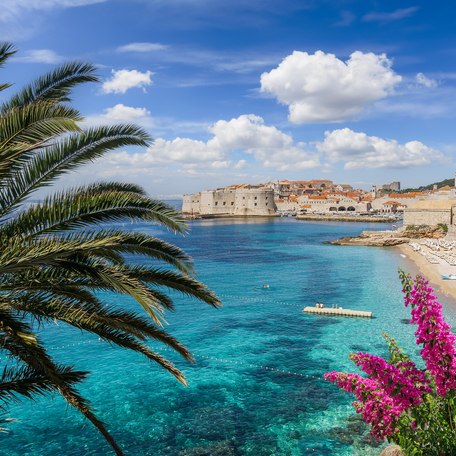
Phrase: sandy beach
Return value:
(432, 272)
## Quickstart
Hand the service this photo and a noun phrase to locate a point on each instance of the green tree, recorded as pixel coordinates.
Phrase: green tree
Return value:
(57, 254)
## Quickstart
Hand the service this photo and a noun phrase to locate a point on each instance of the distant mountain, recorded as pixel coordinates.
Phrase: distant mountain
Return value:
(449, 182)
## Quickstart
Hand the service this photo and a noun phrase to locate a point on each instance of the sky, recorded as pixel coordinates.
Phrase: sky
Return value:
(358, 91)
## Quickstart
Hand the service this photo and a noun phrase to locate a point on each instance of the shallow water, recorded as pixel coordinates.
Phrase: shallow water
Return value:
(256, 388)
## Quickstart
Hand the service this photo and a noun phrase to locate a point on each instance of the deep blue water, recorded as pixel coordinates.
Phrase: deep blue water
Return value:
(256, 388)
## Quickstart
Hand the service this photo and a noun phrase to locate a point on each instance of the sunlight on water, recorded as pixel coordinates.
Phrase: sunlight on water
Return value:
(256, 388)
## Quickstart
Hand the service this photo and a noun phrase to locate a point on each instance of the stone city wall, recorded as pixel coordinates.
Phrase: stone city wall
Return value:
(428, 217)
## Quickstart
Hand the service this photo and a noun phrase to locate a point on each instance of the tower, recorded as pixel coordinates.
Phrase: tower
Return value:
(374, 190)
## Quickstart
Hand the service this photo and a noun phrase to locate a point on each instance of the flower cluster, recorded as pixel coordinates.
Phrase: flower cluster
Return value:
(434, 334)
(374, 405)
(392, 391)
(403, 383)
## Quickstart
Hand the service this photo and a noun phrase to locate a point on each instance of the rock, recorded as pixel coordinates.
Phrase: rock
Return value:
(225, 448)
(296, 435)
(391, 238)
(392, 450)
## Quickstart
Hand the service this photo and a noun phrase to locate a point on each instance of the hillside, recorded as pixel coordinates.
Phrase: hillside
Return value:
(440, 184)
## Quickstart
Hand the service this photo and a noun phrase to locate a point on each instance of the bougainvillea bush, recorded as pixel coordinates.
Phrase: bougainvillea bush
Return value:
(414, 408)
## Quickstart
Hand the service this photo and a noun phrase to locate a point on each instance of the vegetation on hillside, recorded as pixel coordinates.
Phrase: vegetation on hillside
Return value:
(443, 183)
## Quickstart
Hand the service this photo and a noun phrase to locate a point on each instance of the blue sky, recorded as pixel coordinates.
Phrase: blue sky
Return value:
(360, 92)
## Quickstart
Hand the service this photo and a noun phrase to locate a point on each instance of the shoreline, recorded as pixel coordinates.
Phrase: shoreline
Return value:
(432, 272)
(309, 217)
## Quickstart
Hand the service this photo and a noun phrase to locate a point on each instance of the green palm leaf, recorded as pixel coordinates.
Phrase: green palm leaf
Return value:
(54, 87)
(92, 205)
(56, 255)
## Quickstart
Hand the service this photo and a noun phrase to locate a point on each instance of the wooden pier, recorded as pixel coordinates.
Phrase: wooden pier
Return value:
(338, 312)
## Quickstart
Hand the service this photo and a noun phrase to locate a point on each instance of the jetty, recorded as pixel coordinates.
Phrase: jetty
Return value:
(337, 312)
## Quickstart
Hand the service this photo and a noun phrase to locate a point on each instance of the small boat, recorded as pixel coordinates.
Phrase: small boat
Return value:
(449, 276)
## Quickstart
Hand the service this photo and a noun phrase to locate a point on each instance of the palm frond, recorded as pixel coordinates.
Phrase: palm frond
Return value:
(175, 281)
(92, 205)
(21, 343)
(6, 51)
(66, 155)
(17, 381)
(110, 324)
(25, 129)
(55, 86)
(57, 255)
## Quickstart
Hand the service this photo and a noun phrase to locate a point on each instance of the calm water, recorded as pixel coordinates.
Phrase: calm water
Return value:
(236, 403)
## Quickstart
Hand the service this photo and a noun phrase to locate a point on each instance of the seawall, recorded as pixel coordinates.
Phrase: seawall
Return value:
(347, 218)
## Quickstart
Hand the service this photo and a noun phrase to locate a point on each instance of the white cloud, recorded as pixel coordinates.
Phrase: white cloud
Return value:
(246, 134)
(142, 47)
(12, 9)
(123, 80)
(346, 19)
(126, 113)
(395, 15)
(21, 19)
(425, 81)
(40, 56)
(122, 114)
(220, 164)
(322, 88)
(358, 150)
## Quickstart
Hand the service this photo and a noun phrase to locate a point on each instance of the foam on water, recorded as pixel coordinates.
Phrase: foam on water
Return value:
(256, 388)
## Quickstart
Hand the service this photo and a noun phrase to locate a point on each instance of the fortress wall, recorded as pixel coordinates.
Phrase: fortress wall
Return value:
(230, 201)
(206, 202)
(255, 201)
(223, 202)
(191, 204)
(428, 217)
(377, 203)
(287, 205)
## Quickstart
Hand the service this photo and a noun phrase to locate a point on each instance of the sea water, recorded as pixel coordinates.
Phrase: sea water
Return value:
(256, 387)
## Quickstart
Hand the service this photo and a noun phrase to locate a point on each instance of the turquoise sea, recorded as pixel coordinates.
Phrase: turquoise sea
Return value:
(256, 388)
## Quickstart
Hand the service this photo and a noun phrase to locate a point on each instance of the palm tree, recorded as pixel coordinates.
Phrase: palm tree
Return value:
(57, 254)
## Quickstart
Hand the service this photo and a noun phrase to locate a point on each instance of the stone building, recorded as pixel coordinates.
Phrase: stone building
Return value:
(235, 200)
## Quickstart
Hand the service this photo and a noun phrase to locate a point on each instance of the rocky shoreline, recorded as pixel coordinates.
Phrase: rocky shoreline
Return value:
(391, 238)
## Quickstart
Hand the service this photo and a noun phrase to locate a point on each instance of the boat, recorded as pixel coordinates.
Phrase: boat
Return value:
(449, 276)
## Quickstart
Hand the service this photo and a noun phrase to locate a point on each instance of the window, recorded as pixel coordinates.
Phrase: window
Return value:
(255, 204)
(255, 197)
(224, 203)
(232, 203)
(216, 203)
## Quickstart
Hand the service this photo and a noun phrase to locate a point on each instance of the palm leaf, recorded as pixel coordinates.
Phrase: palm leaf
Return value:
(55, 256)
(66, 155)
(54, 86)
(92, 205)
